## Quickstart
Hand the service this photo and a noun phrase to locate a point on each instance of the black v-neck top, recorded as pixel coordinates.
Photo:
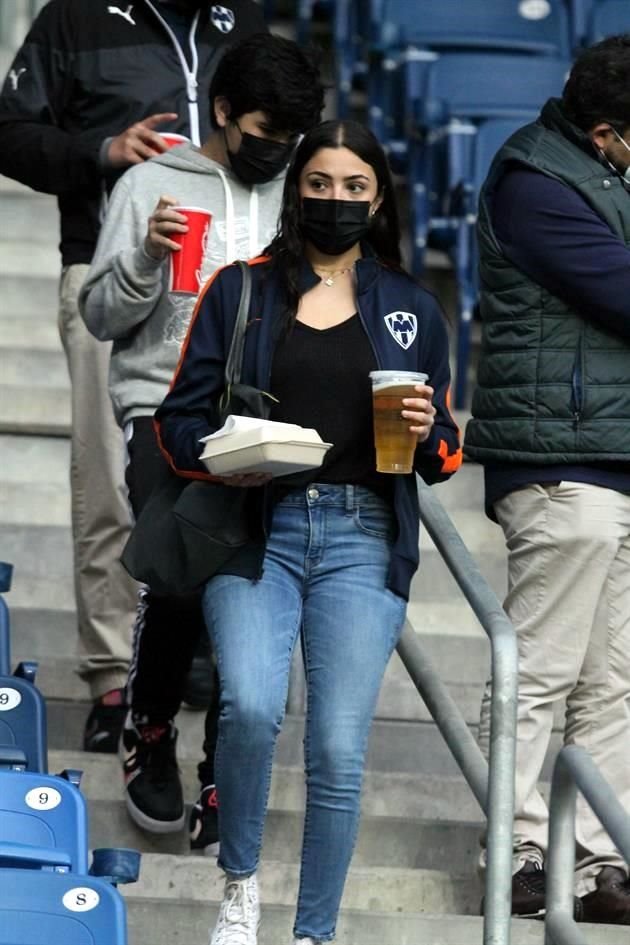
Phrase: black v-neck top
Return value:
(321, 380)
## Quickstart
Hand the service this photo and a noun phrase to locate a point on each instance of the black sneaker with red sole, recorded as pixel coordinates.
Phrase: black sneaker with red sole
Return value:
(153, 789)
(204, 822)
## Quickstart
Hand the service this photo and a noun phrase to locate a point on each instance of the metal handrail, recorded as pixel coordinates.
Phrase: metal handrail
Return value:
(574, 769)
(6, 571)
(493, 783)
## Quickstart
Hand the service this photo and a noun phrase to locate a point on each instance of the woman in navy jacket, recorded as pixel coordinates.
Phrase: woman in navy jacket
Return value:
(333, 550)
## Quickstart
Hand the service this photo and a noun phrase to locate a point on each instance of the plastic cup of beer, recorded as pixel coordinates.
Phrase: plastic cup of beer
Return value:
(186, 263)
(395, 445)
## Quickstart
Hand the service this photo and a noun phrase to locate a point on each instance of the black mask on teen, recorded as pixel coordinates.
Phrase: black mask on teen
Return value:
(333, 226)
(258, 160)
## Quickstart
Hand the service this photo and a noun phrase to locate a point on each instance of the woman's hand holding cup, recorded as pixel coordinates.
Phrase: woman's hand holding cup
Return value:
(420, 411)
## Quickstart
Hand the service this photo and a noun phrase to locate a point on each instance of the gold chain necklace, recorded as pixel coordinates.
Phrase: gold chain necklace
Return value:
(332, 272)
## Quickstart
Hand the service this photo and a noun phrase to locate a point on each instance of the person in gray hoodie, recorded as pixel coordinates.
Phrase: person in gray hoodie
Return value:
(264, 94)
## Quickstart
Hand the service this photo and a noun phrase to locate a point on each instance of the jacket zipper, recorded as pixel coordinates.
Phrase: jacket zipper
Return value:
(190, 75)
(577, 386)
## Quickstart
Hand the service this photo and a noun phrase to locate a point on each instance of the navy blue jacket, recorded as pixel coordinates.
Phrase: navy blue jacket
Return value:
(406, 329)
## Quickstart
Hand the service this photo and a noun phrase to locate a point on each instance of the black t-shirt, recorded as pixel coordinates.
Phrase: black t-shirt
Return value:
(321, 380)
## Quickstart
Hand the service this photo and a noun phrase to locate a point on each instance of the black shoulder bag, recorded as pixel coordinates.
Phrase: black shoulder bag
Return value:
(189, 529)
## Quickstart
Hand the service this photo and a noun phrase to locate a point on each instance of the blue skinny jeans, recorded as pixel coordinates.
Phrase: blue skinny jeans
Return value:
(324, 574)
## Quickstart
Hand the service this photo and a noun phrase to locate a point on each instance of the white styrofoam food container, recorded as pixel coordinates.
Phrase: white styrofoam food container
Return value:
(280, 458)
(266, 447)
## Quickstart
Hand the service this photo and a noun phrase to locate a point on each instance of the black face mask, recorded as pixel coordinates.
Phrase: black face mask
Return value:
(333, 226)
(258, 160)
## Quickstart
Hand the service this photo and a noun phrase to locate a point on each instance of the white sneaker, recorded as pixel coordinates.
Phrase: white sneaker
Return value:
(305, 941)
(239, 915)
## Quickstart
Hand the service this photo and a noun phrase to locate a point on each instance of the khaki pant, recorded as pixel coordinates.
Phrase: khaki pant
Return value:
(569, 600)
(105, 594)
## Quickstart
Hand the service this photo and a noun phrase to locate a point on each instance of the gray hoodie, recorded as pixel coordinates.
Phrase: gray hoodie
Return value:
(125, 296)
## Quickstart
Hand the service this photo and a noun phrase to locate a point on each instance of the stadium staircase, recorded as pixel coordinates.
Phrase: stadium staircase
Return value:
(413, 879)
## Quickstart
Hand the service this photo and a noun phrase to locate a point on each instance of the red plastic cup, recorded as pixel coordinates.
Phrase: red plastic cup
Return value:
(171, 140)
(185, 273)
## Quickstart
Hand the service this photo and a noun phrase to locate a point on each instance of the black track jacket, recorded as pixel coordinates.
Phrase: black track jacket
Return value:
(87, 70)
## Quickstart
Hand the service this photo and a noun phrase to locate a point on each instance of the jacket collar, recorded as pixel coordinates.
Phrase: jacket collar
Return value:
(553, 116)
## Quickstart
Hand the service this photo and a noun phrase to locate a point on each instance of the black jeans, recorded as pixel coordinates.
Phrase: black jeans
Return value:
(168, 629)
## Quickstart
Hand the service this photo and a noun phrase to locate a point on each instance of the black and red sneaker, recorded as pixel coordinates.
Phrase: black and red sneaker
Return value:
(104, 723)
(204, 822)
(153, 789)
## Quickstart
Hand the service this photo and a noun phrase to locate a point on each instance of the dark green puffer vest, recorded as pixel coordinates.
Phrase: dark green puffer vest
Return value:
(553, 387)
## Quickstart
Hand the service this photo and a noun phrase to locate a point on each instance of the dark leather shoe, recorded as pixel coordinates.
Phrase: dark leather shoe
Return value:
(610, 902)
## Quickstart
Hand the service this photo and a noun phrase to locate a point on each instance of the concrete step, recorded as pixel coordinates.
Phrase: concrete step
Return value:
(398, 699)
(395, 746)
(34, 297)
(46, 504)
(165, 922)
(433, 585)
(35, 460)
(44, 632)
(421, 796)
(42, 559)
(20, 412)
(29, 218)
(383, 842)
(372, 889)
(19, 259)
(41, 369)
(23, 332)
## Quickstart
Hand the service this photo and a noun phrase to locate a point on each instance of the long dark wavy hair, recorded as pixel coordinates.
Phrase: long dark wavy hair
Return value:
(287, 248)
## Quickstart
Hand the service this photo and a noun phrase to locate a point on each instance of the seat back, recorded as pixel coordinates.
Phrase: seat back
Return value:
(528, 26)
(42, 811)
(478, 86)
(491, 136)
(5, 639)
(54, 909)
(6, 572)
(579, 19)
(23, 724)
(608, 18)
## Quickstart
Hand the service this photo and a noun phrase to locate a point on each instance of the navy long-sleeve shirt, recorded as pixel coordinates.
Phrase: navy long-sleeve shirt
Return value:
(551, 234)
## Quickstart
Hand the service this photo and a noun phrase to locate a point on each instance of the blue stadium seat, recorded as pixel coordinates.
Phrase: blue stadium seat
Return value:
(608, 18)
(474, 85)
(458, 91)
(489, 137)
(52, 909)
(416, 30)
(44, 813)
(579, 17)
(23, 726)
(527, 27)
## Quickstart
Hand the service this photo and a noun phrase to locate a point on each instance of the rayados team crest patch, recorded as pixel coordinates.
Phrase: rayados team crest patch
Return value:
(222, 18)
(403, 327)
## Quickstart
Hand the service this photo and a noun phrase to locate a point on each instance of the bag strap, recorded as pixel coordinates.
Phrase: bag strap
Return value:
(234, 363)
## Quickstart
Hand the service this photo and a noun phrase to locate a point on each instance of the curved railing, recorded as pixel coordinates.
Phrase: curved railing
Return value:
(493, 783)
(574, 769)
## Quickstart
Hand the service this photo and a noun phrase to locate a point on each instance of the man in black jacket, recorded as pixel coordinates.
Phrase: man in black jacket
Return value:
(85, 97)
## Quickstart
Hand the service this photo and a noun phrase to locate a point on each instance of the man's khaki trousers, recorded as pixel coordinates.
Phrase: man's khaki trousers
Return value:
(568, 597)
(105, 594)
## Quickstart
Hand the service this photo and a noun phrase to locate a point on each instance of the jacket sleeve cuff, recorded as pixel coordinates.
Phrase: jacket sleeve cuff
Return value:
(145, 264)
